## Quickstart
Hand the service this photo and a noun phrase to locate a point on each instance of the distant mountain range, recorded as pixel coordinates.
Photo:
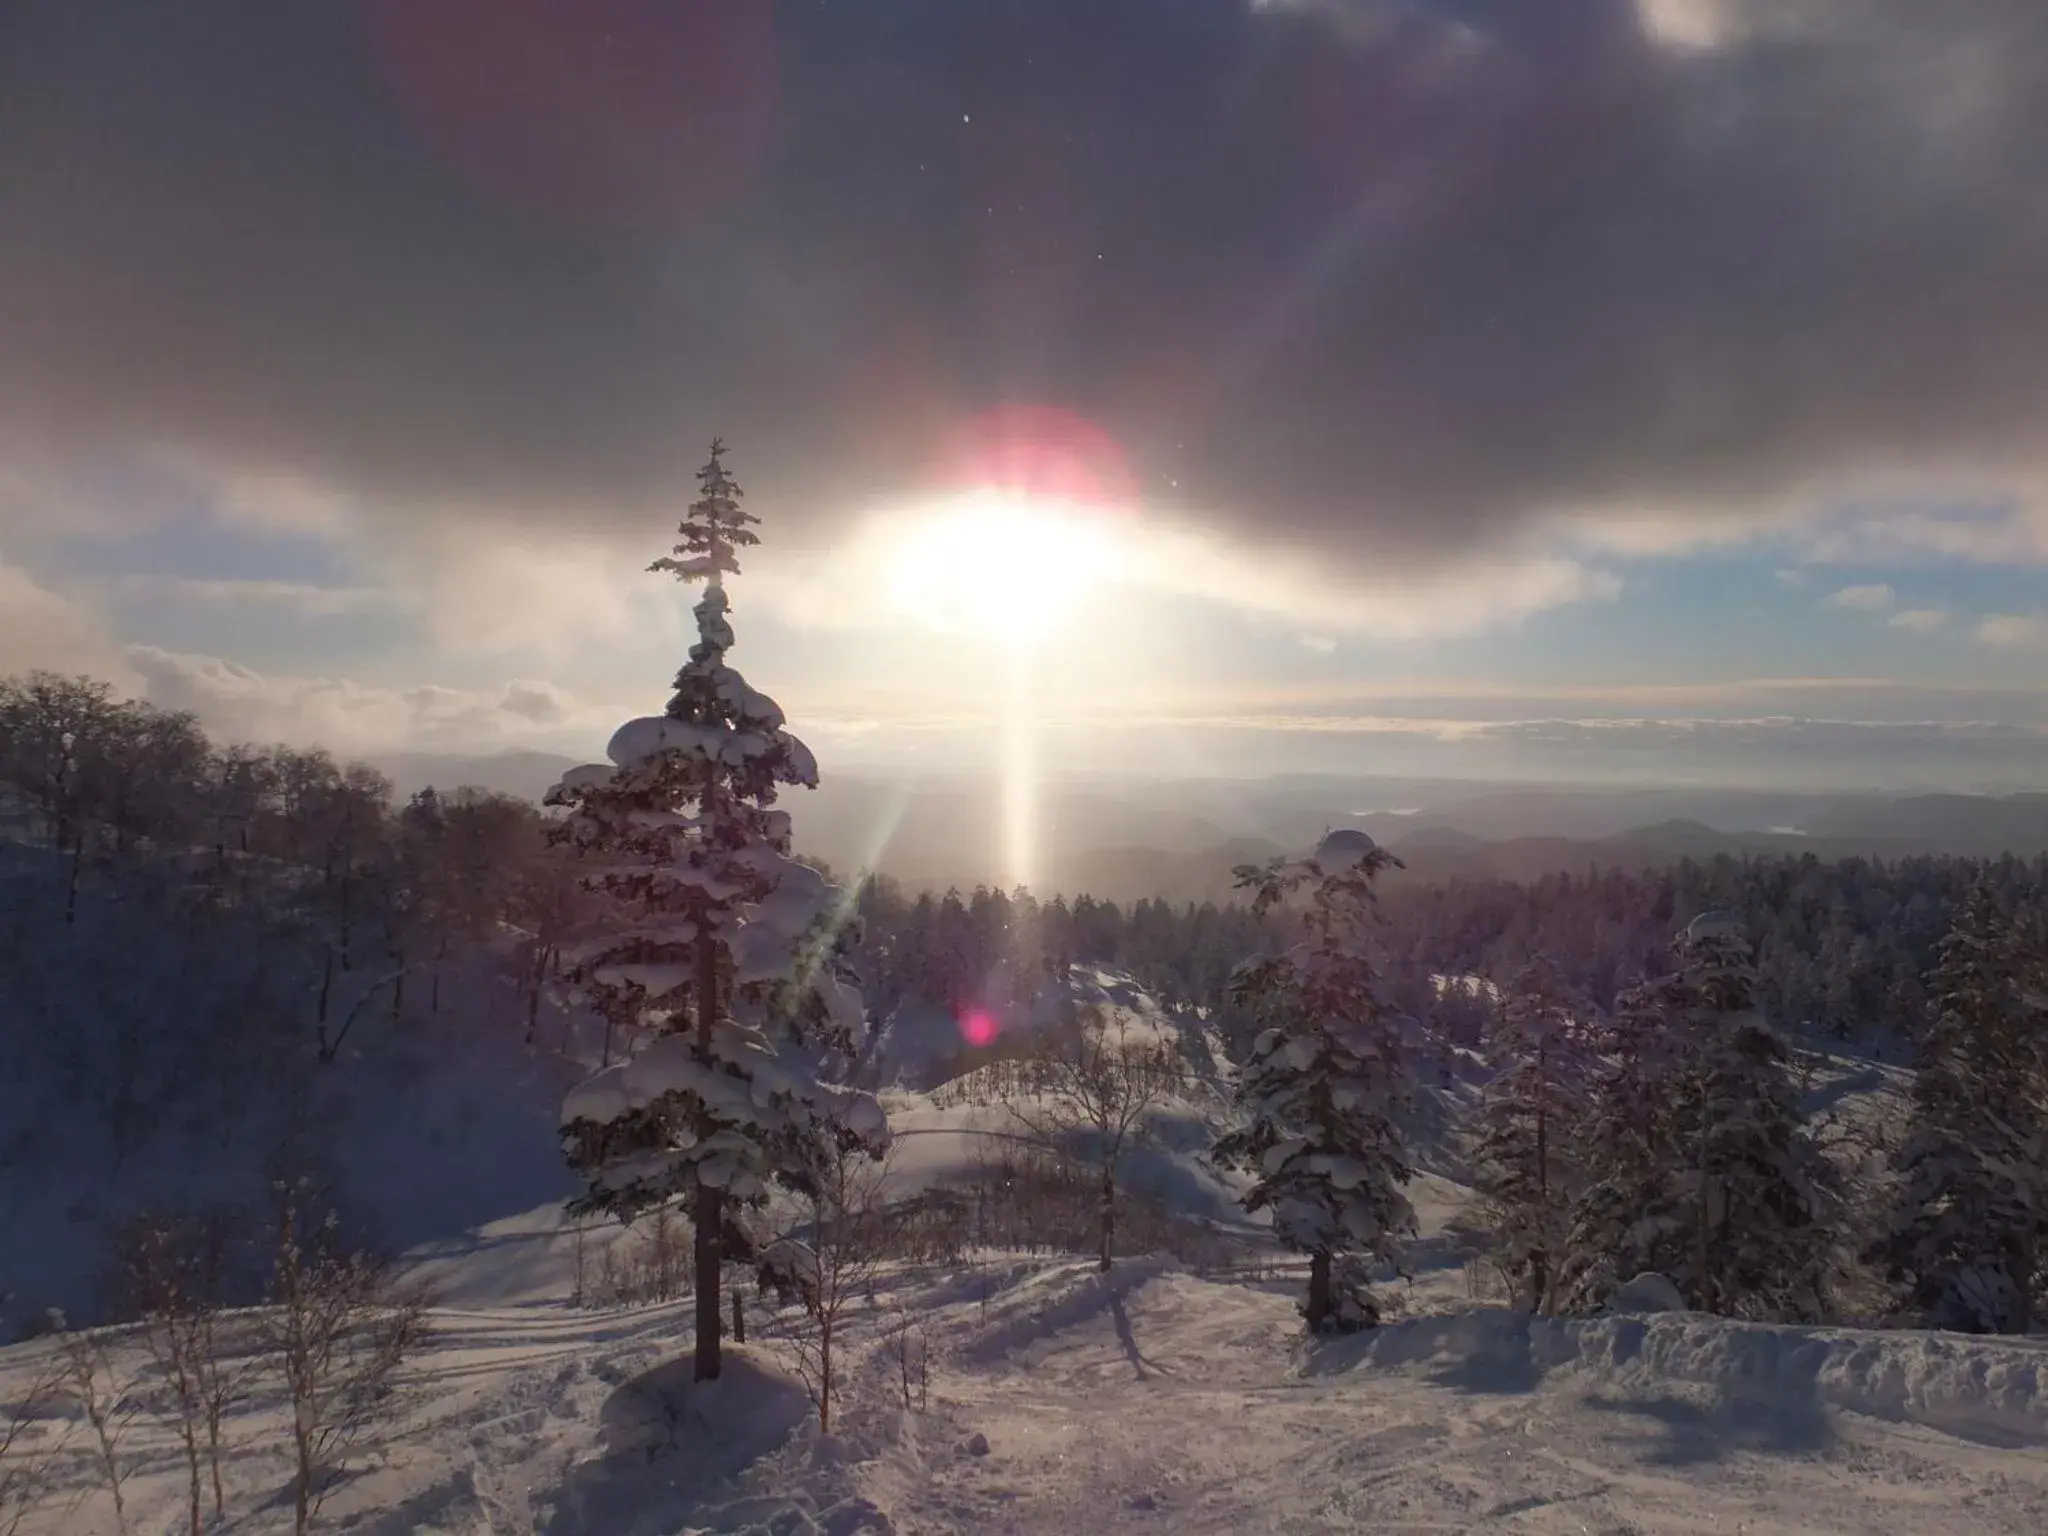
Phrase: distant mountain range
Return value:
(529, 775)
(1121, 839)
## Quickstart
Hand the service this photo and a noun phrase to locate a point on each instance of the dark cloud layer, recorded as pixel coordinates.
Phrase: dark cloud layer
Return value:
(1376, 278)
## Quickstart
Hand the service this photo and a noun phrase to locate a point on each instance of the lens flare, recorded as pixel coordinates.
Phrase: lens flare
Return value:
(979, 1028)
(1037, 452)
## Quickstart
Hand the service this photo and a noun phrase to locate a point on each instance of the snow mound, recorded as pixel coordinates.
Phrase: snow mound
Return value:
(1989, 1390)
(1054, 1300)
(752, 1407)
(673, 1448)
(1648, 1292)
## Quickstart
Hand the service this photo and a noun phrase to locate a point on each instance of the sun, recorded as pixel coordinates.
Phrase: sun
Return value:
(1007, 566)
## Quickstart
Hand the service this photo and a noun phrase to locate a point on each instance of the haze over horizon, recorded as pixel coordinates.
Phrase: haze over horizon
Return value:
(1610, 390)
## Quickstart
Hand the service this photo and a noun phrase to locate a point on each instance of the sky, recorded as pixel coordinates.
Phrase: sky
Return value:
(1653, 386)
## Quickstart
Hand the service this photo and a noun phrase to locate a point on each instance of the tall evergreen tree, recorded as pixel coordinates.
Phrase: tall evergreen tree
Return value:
(1323, 1090)
(1705, 1170)
(1622, 1215)
(722, 946)
(1965, 1238)
(1523, 1168)
(1762, 1198)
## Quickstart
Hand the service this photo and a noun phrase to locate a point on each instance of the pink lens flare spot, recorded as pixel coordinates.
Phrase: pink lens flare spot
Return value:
(979, 1029)
(1040, 451)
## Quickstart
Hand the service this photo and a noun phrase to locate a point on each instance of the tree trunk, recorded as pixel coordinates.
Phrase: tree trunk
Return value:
(192, 1467)
(1320, 1303)
(708, 1214)
(739, 1318)
(1539, 1260)
(326, 992)
(71, 890)
(1108, 1214)
(1704, 1281)
(825, 1378)
(302, 1483)
(214, 1413)
(536, 982)
(710, 1211)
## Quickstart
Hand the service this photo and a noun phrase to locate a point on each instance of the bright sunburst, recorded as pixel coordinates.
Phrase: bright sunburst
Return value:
(1012, 567)
(1008, 566)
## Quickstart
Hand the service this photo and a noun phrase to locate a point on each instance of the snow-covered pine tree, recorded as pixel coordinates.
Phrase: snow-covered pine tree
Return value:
(1522, 1165)
(1965, 1238)
(1763, 1200)
(1323, 1090)
(721, 946)
(1622, 1216)
(1704, 1169)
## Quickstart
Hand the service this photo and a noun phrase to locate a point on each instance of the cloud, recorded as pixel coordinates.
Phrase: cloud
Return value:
(542, 703)
(419, 264)
(309, 599)
(237, 703)
(2013, 630)
(1920, 621)
(1875, 598)
(43, 630)
(1322, 645)
(1788, 752)
(1962, 521)
(1790, 576)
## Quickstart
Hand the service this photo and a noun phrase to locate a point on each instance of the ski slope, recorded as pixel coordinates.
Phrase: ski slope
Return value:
(1155, 1399)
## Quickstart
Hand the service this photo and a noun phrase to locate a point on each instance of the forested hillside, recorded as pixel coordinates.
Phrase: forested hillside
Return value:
(376, 897)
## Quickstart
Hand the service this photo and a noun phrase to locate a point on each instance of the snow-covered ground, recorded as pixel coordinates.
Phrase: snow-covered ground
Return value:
(1153, 1399)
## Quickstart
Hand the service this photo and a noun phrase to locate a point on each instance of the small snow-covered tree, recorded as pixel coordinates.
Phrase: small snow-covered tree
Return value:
(1523, 1168)
(1323, 1090)
(1965, 1237)
(721, 945)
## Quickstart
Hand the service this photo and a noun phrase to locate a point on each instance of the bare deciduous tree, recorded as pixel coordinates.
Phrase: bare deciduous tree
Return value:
(25, 1460)
(101, 1390)
(337, 1329)
(908, 1342)
(830, 1262)
(169, 1272)
(1098, 1083)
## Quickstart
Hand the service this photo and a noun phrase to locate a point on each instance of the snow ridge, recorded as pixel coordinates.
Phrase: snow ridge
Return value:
(1993, 1390)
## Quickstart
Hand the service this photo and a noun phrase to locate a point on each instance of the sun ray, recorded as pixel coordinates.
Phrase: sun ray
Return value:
(1019, 775)
(1011, 568)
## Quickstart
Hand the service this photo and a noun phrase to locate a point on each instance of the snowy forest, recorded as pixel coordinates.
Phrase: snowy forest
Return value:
(250, 1005)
